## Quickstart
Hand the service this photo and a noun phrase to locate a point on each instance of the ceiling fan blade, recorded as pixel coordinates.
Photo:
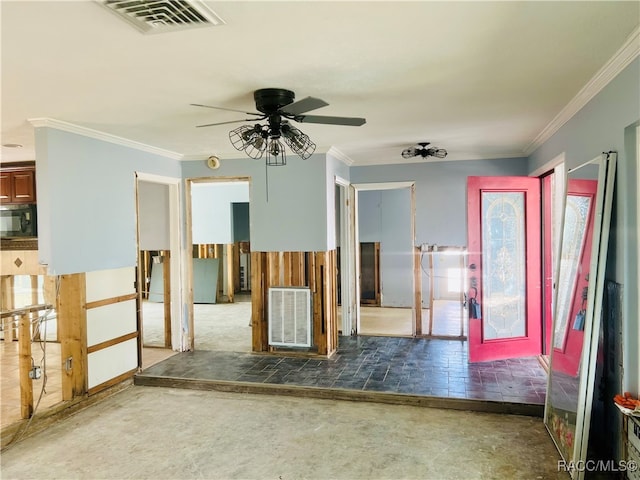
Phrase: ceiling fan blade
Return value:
(351, 121)
(224, 123)
(222, 108)
(304, 105)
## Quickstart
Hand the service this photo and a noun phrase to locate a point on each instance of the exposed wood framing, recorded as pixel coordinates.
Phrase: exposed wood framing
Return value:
(166, 270)
(114, 381)
(317, 270)
(7, 299)
(431, 288)
(26, 384)
(72, 325)
(258, 302)
(417, 292)
(111, 342)
(230, 271)
(111, 301)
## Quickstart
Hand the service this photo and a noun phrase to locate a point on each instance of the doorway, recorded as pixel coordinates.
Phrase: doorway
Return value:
(384, 215)
(158, 229)
(218, 234)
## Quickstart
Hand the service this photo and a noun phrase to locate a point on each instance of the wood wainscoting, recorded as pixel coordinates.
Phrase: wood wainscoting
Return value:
(316, 270)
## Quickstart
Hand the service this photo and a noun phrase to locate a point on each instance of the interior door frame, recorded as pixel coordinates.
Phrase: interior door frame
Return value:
(177, 295)
(355, 250)
(347, 260)
(188, 277)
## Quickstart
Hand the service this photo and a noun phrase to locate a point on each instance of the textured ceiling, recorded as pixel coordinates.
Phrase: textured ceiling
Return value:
(481, 79)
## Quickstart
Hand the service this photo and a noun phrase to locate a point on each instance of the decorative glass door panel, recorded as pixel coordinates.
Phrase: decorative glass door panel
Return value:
(573, 277)
(504, 267)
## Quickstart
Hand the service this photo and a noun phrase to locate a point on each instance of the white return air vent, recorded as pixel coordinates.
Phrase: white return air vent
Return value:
(290, 316)
(155, 16)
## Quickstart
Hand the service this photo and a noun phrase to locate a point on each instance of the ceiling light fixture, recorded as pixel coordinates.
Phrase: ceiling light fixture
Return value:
(259, 139)
(423, 150)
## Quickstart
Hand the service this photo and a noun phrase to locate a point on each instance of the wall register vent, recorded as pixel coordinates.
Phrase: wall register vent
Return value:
(155, 16)
(290, 317)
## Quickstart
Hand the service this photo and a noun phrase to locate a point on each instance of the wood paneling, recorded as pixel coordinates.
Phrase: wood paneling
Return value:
(316, 270)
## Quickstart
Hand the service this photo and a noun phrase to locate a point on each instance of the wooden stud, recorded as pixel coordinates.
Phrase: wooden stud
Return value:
(141, 282)
(72, 324)
(236, 267)
(334, 300)
(431, 288)
(166, 271)
(258, 307)
(287, 277)
(230, 270)
(8, 303)
(319, 311)
(273, 264)
(49, 293)
(26, 384)
(297, 269)
(417, 289)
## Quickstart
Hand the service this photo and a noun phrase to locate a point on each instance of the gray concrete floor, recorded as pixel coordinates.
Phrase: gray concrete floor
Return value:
(158, 433)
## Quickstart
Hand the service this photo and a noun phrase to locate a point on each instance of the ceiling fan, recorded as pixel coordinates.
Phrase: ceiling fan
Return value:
(277, 107)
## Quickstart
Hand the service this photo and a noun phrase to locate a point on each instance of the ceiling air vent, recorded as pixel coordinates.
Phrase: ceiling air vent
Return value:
(156, 16)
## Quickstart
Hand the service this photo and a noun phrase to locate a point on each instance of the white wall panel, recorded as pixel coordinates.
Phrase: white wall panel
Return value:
(105, 284)
(110, 362)
(110, 321)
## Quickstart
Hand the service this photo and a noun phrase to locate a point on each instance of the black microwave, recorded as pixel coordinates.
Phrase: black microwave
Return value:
(18, 220)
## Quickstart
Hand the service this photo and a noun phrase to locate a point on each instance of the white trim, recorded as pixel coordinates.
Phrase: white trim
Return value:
(382, 186)
(547, 167)
(341, 181)
(153, 178)
(105, 137)
(618, 62)
(337, 154)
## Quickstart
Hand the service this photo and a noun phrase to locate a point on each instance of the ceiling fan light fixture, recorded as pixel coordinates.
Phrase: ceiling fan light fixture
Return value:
(276, 154)
(250, 139)
(299, 142)
(422, 150)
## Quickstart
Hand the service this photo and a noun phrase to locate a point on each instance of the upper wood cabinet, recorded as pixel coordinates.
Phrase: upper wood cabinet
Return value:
(18, 184)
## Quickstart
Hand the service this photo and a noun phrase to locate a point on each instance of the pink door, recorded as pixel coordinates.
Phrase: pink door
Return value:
(577, 236)
(504, 264)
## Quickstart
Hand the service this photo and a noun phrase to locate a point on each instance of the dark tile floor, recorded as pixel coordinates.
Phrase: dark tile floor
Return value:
(417, 366)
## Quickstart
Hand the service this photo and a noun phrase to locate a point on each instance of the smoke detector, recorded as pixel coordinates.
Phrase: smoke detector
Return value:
(156, 16)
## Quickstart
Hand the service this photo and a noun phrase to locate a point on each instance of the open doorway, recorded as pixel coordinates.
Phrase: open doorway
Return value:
(159, 269)
(218, 233)
(389, 294)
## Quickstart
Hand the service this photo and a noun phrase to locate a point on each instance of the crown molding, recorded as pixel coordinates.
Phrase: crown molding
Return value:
(618, 62)
(106, 137)
(334, 152)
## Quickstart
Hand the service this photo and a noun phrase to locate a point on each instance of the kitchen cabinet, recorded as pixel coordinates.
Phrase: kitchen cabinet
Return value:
(18, 184)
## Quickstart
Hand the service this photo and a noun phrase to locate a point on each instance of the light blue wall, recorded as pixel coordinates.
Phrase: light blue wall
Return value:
(153, 216)
(385, 216)
(211, 210)
(607, 123)
(441, 192)
(294, 216)
(86, 200)
(370, 216)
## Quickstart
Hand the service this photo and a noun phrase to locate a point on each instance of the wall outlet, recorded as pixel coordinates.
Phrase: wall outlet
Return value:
(35, 373)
